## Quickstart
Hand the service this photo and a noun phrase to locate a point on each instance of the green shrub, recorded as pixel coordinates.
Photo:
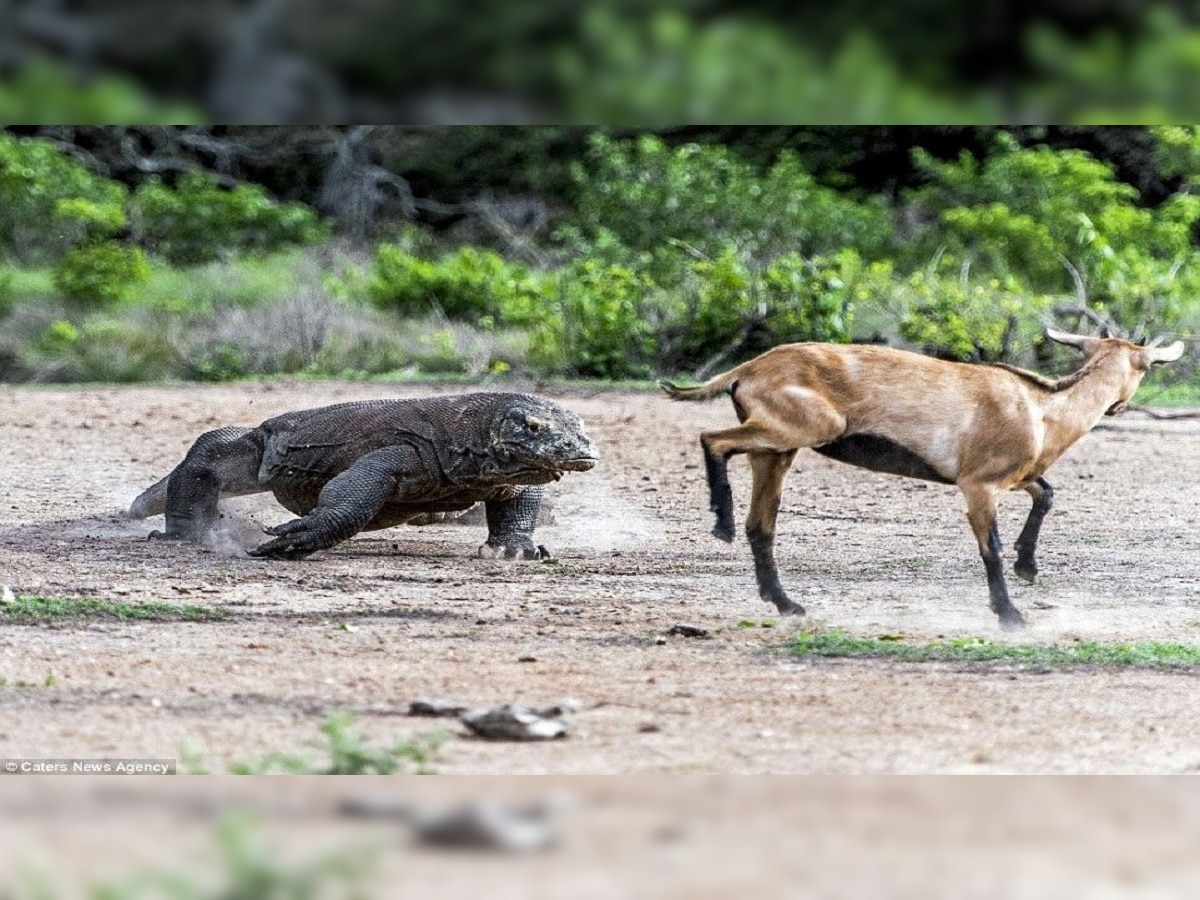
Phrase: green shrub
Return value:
(35, 178)
(599, 323)
(469, 284)
(957, 317)
(60, 337)
(706, 198)
(119, 346)
(200, 220)
(45, 92)
(101, 273)
(1059, 222)
(812, 299)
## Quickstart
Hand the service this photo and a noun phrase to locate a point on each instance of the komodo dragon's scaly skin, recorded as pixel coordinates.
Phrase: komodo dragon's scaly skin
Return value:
(377, 463)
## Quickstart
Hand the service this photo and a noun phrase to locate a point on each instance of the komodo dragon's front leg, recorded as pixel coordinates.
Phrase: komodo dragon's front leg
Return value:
(510, 524)
(349, 501)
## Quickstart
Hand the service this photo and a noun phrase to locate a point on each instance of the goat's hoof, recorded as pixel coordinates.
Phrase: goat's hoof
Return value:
(1012, 620)
(786, 607)
(1026, 571)
(724, 531)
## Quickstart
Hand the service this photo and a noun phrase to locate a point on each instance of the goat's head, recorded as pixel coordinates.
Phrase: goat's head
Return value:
(1130, 359)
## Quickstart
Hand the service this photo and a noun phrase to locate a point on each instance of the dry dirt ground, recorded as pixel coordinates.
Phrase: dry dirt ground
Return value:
(641, 837)
(395, 616)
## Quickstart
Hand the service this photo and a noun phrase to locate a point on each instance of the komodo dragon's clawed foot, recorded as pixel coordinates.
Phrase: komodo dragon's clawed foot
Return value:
(174, 535)
(294, 540)
(513, 550)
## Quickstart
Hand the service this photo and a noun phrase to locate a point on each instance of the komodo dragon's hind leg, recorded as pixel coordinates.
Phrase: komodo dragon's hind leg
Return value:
(510, 526)
(222, 463)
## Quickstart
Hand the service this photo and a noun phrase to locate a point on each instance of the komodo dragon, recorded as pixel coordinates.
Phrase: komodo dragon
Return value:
(378, 463)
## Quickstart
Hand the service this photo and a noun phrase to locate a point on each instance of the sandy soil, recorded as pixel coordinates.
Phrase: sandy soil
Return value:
(708, 837)
(409, 613)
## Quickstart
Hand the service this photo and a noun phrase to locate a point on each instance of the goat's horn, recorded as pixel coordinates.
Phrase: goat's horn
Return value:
(1153, 355)
(1078, 341)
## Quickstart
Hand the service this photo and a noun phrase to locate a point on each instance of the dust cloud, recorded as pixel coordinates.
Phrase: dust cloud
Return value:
(590, 515)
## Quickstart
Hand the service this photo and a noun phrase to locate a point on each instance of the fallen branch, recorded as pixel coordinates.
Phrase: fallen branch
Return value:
(1154, 414)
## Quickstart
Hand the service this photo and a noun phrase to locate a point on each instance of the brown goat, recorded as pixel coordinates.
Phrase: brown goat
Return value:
(987, 429)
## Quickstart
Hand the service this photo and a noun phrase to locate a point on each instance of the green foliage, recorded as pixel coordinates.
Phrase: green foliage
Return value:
(242, 282)
(598, 324)
(350, 755)
(705, 198)
(38, 185)
(44, 92)
(107, 346)
(1144, 74)
(470, 284)
(813, 299)
(670, 67)
(90, 221)
(59, 337)
(1177, 152)
(102, 273)
(1152, 654)
(199, 220)
(955, 316)
(1038, 221)
(691, 252)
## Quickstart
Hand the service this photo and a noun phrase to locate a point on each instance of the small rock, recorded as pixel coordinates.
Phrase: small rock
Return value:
(513, 722)
(649, 728)
(659, 641)
(561, 708)
(489, 826)
(436, 708)
(526, 659)
(692, 631)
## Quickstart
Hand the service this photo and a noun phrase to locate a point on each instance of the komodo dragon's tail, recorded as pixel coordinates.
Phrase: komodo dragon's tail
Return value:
(714, 387)
(150, 502)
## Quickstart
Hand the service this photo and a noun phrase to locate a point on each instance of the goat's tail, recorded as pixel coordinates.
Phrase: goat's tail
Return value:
(714, 387)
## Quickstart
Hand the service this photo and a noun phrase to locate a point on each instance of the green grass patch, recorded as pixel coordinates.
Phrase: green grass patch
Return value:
(246, 281)
(348, 753)
(1150, 654)
(27, 610)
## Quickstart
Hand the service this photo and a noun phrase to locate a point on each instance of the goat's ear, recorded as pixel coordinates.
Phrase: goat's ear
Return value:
(1153, 355)
(1078, 341)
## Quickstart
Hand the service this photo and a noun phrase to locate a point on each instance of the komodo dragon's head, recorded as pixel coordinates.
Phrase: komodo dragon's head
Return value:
(542, 435)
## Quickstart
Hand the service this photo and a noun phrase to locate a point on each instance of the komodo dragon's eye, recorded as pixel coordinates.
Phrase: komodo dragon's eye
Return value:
(535, 425)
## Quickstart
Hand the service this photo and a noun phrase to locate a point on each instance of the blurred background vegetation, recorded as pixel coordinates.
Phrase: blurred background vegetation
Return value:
(604, 61)
(147, 252)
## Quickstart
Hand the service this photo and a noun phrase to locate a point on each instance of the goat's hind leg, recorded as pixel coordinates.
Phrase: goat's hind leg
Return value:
(749, 437)
(720, 494)
(1043, 499)
(981, 513)
(221, 463)
(769, 470)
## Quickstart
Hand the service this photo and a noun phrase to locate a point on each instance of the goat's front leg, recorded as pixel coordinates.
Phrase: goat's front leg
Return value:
(769, 470)
(981, 513)
(720, 494)
(1043, 499)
